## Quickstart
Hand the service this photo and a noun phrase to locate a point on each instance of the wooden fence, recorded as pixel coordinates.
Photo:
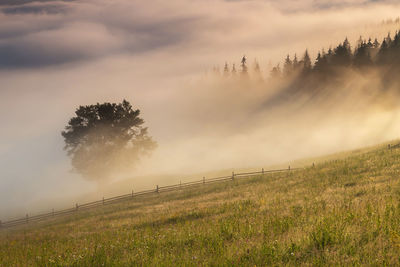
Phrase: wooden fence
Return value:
(157, 190)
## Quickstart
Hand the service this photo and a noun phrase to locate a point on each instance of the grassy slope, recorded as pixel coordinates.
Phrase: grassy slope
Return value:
(342, 212)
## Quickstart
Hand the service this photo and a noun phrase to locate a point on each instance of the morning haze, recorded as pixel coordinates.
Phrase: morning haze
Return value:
(199, 133)
(57, 55)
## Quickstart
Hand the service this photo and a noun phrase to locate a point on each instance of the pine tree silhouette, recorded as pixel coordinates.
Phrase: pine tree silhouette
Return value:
(244, 66)
(288, 67)
(233, 70)
(226, 70)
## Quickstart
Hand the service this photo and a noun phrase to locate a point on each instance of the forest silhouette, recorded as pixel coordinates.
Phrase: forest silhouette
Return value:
(377, 62)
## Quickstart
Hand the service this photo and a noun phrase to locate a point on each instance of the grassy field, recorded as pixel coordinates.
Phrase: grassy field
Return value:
(344, 211)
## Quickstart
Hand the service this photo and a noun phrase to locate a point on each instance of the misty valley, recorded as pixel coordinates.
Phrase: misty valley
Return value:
(199, 133)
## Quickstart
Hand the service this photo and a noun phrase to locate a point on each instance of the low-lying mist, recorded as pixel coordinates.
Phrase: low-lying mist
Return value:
(231, 124)
(243, 122)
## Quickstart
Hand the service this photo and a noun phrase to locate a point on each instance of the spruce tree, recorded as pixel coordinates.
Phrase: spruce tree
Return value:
(233, 70)
(226, 70)
(276, 72)
(306, 61)
(288, 67)
(244, 66)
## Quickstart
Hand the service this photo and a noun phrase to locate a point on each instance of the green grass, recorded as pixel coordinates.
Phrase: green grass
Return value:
(345, 211)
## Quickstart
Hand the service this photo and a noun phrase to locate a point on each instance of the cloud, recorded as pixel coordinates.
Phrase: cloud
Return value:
(41, 9)
(72, 42)
(22, 2)
(42, 34)
(47, 33)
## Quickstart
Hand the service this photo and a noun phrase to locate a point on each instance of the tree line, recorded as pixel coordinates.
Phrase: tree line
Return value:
(367, 54)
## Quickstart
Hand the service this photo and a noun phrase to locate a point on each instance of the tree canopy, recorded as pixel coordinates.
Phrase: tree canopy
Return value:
(104, 139)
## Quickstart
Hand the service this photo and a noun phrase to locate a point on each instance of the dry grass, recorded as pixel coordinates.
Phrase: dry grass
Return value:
(345, 211)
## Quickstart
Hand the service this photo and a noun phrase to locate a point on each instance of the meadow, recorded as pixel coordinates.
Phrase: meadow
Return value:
(344, 211)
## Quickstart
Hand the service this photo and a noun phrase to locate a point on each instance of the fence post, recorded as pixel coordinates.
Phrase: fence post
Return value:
(204, 179)
(27, 218)
(313, 164)
(289, 168)
(157, 189)
(388, 146)
(233, 175)
(262, 171)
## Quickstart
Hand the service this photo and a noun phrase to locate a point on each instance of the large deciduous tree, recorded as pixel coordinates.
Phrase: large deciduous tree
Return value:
(105, 139)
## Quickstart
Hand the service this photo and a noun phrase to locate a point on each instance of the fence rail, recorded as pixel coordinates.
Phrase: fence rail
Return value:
(159, 189)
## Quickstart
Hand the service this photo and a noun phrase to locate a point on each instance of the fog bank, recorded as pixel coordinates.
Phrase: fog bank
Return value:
(57, 55)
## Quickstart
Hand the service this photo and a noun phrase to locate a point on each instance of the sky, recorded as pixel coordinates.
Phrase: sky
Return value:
(57, 55)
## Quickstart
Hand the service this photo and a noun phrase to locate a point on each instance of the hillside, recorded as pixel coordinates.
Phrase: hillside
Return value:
(343, 211)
